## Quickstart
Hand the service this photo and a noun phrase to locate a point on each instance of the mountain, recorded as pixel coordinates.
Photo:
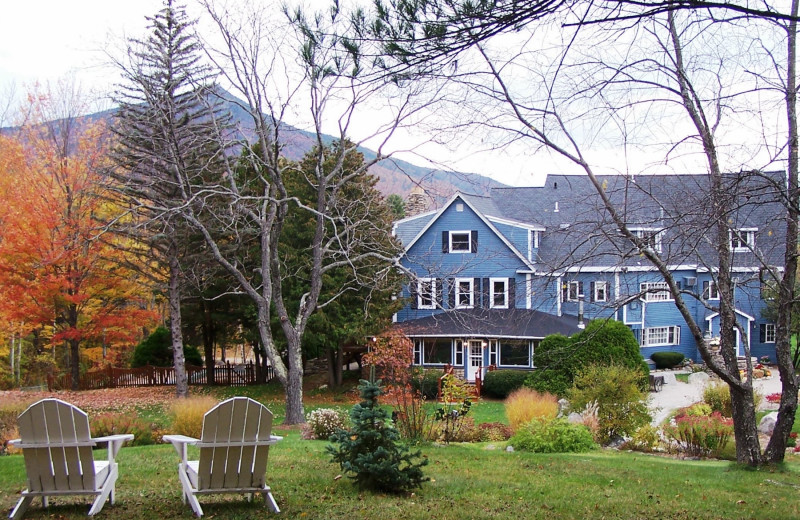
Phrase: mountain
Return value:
(394, 175)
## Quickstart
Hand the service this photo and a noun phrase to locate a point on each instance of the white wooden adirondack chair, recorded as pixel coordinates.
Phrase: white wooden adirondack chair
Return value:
(57, 448)
(234, 446)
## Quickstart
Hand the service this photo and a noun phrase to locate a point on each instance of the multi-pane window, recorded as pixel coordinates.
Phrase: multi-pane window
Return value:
(655, 291)
(459, 353)
(600, 291)
(499, 293)
(460, 242)
(515, 353)
(493, 352)
(743, 239)
(426, 293)
(710, 290)
(572, 291)
(650, 236)
(464, 293)
(767, 333)
(657, 336)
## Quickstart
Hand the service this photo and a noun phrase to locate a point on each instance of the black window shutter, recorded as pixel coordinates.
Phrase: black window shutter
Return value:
(412, 291)
(591, 291)
(762, 333)
(474, 242)
(451, 293)
(476, 293)
(512, 293)
(440, 292)
(445, 242)
(487, 303)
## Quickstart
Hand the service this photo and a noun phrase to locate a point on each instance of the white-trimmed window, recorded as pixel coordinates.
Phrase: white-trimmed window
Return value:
(710, 290)
(600, 291)
(460, 242)
(433, 351)
(426, 293)
(464, 288)
(515, 353)
(655, 291)
(650, 236)
(493, 352)
(458, 353)
(767, 333)
(498, 293)
(659, 336)
(743, 239)
(572, 291)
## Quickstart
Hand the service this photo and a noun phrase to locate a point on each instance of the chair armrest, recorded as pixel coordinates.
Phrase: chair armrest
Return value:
(114, 443)
(179, 442)
(275, 438)
(12, 442)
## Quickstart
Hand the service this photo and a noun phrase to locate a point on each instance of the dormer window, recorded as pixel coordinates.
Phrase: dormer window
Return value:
(459, 241)
(650, 236)
(743, 239)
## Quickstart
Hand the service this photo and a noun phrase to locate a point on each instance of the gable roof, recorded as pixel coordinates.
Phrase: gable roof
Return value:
(481, 215)
(491, 323)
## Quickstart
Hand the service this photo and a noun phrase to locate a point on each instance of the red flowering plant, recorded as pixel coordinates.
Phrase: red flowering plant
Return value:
(700, 436)
(774, 398)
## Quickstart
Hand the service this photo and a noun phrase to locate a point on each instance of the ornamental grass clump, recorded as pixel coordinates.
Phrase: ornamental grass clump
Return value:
(370, 452)
(700, 436)
(322, 423)
(553, 436)
(187, 415)
(115, 423)
(526, 404)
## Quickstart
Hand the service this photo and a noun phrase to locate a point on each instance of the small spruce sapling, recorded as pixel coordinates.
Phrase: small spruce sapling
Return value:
(371, 451)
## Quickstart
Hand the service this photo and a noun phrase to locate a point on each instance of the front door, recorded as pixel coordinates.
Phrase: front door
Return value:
(475, 358)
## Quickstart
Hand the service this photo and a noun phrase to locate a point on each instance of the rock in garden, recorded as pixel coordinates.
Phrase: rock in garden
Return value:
(767, 424)
(698, 377)
(510, 449)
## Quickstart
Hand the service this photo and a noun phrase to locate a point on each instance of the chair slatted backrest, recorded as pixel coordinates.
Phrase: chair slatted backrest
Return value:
(59, 452)
(230, 454)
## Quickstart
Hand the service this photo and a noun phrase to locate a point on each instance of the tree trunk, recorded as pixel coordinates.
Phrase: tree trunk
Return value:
(295, 414)
(208, 342)
(75, 362)
(334, 367)
(181, 381)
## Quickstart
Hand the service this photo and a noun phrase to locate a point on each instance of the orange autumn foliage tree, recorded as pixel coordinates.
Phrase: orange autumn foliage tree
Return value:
(58, 270)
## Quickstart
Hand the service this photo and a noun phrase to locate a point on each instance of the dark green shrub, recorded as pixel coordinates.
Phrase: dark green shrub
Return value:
(667, 359)
(558, 359)
(111, 423)
(553, 436)
(621, 404)
(371, 453)
(500, 383)
(156, 350)
(426, 382)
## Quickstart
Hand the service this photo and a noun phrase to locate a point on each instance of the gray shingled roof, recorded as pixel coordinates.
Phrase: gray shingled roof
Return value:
(491, 323)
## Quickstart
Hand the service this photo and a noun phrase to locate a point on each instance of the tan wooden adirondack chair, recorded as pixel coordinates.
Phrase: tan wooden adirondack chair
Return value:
(234, 446)
(57, 448)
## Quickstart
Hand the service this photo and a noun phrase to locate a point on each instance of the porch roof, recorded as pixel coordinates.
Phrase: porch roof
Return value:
(491, 323)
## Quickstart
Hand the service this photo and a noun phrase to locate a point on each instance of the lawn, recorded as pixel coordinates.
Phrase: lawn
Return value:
(467, 481)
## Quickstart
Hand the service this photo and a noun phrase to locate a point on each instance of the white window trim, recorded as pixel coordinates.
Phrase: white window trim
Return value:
(649, 296)
(432, 282)
(597, 286)
(657, 233)
(494, 352)
(418, 352)
(769, 330)
(577, 285)
(457, 293)
(674, 329)
(458, 351)
(492, 294)
(713, 290)
(748, 234)
(500, 357)
(450, 241)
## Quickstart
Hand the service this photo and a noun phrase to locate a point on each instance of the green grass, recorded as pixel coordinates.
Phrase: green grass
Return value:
(468, 481)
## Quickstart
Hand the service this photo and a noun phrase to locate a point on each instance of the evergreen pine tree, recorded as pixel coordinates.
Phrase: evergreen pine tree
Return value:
(372, 450)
